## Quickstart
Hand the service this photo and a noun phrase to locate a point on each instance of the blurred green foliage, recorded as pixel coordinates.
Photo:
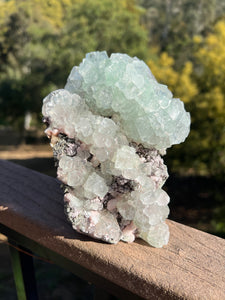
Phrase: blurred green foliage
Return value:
(201, 85)
(40, 41)
(182, 42)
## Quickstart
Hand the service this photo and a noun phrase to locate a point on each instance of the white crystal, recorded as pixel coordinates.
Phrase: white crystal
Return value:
(157, 235)
(126, 159)
(96, 185)
(126, 207)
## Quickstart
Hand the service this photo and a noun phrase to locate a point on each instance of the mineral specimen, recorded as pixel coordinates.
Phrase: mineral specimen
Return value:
(108, 129)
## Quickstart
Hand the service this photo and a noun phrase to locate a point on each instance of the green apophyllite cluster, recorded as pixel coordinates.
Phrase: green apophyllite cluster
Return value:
(124, 88)
(108, 128)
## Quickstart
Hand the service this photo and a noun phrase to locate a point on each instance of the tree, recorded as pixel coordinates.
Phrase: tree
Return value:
(172, 24)
(202, 89)
(209, 107)
(24, 60)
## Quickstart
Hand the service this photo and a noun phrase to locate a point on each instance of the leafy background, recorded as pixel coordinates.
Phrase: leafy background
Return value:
(182, 41)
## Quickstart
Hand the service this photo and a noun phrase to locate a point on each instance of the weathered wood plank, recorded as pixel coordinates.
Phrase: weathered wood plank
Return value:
(192, 266)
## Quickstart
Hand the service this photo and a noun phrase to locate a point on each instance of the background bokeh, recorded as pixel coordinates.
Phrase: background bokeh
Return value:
(182, 41)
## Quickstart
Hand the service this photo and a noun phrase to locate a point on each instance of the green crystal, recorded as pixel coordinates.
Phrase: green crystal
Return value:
(124, 86)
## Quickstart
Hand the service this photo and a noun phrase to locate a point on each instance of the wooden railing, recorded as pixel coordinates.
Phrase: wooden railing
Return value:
(191, 266)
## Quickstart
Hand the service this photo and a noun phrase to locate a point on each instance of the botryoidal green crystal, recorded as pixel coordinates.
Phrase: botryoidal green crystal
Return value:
(109, 127)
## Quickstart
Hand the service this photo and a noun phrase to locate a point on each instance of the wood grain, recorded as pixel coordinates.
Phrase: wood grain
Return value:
(191, 266)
